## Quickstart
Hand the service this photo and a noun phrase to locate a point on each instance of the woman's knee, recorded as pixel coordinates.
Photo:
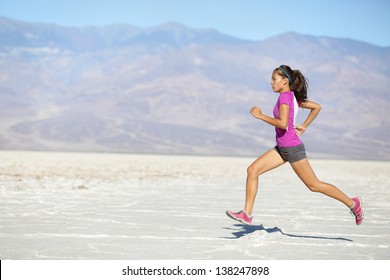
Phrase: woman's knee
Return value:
(253, 171)
(314, 186)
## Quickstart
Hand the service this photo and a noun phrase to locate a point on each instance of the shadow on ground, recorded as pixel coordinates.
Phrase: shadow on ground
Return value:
(243, 230)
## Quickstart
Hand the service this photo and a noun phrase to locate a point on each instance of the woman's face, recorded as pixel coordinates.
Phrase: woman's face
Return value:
(278, 82)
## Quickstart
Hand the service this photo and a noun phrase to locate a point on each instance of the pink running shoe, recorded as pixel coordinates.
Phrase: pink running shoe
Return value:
(357, 210)
(241, 216)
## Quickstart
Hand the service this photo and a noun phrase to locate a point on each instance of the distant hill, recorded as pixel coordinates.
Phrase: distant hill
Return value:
(175, 89)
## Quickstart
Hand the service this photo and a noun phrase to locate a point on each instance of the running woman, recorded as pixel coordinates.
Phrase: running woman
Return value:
(292, 88)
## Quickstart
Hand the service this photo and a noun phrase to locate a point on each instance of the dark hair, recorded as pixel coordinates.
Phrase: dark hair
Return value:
(298, 83)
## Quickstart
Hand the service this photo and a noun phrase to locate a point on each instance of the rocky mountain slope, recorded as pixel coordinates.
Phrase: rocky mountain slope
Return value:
(175, 89)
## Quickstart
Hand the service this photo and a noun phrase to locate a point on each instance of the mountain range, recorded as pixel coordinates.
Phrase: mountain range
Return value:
(180, 90)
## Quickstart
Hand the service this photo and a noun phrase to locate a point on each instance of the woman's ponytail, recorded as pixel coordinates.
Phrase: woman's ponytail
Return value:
(299, 87)
(298, 83)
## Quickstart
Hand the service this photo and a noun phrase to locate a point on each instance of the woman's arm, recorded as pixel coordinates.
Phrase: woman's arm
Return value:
(314, 110)
(281, 122)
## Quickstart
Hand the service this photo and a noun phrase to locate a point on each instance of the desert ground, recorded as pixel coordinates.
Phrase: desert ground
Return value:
(79, 206)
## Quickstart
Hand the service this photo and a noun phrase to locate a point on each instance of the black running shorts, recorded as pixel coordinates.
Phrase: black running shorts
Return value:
(292, 154)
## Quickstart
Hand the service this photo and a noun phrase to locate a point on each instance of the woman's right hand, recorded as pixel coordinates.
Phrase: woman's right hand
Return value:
(256, 112)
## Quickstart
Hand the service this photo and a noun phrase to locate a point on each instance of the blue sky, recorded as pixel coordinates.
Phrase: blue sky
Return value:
(363, 20)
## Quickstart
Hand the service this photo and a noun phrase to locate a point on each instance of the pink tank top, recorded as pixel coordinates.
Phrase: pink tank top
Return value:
(287, 137)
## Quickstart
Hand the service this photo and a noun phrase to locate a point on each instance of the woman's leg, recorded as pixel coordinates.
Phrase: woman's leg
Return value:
(304, 171)
(264, 163)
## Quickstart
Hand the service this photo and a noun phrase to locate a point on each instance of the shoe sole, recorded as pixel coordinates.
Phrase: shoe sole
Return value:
(237, 219)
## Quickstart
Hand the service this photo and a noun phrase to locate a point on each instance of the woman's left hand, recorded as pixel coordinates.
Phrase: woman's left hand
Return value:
(299, 129)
